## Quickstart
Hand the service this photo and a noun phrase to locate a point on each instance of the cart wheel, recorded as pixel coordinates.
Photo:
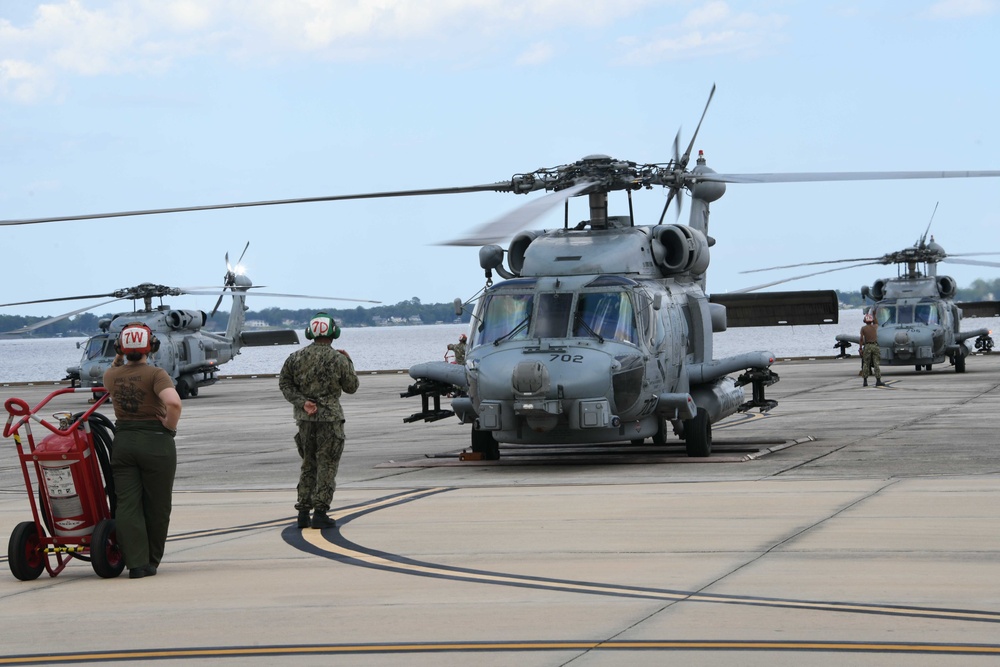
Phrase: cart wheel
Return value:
(24, 552)
(105, 554)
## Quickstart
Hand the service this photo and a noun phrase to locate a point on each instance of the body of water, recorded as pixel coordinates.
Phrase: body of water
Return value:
(393, 348)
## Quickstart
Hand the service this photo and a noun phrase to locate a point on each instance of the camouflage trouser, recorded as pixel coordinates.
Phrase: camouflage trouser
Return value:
(320, 445)
(870, 357)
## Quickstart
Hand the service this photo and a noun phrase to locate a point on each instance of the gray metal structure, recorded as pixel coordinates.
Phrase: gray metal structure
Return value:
(189, 353)
(919, 322)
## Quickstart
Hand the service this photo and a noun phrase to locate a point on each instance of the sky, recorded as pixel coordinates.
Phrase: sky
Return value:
(121, 105)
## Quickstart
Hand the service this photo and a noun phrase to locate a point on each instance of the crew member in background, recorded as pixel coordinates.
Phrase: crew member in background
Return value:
(312, 380)
(143, 454)
(870, 351)
(459, 350)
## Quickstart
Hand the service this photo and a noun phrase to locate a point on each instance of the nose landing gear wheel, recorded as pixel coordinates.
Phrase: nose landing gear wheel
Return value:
(698, 435)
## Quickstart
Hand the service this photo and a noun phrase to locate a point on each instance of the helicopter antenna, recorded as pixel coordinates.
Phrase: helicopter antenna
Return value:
(924, 237)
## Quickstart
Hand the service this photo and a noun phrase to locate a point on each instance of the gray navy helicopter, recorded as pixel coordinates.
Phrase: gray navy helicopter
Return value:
(919, 322)
(601, 330)
(189, 353)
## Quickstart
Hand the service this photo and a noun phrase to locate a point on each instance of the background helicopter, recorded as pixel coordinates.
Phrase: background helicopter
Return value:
(189, 353)
(919, 320)
(602, 331)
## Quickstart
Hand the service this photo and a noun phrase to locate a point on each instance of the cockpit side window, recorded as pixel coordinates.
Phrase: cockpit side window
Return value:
(100, 347)
(552, 316)
(608, 314)
(885, 315)
(501, 315)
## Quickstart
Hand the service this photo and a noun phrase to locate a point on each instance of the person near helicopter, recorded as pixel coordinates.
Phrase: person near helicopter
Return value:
(870, 353)
(312, 379)
(459, 350)
(143, 454)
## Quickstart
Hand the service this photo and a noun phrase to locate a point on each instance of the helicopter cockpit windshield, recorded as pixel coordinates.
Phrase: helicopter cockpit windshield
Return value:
(921, 313)
(607, 313)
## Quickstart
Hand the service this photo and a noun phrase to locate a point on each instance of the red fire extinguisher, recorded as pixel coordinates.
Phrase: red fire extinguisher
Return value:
(69, 485)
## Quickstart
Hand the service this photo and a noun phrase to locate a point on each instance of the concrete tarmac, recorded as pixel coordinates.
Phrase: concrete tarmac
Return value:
(848, 526)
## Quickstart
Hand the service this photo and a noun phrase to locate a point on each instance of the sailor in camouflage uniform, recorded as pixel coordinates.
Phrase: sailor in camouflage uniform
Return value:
(312, 380)
(459, 350)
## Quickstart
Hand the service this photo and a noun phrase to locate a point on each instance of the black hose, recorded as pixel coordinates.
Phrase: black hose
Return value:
(102, 431)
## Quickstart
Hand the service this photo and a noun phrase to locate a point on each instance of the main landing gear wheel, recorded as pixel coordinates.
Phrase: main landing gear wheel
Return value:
(959, 363)
(698, 435)
(105, 555)
(24, 552)
(484, 443)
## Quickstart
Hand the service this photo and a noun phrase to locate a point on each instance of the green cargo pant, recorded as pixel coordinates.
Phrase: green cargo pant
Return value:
(320, 445)
(144, 461)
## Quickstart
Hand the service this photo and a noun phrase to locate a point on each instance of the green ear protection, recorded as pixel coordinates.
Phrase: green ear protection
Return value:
(322, 326)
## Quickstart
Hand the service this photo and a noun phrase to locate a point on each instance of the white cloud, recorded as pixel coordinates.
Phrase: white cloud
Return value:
(960, 9)
(536, 54)
(110, 37)
(711, 29)
(24, 82)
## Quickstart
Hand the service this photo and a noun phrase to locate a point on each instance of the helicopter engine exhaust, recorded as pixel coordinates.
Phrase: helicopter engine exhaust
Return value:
(186, 319)
(946, 287)
(679, 249)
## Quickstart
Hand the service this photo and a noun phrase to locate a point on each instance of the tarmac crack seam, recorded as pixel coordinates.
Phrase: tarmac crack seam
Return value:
(330, 543)
(890, 429)
(759, 556)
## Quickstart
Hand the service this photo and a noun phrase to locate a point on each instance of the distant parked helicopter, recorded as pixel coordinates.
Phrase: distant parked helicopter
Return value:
(919, 320)
(189, 353)
(602, 330)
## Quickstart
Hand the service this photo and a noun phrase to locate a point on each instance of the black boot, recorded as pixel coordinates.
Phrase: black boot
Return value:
(303, 521)
(879, 383)
(866, 383)
(321, 520)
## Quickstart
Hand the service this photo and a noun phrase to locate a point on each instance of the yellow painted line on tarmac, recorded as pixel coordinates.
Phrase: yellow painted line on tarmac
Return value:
(504, 647)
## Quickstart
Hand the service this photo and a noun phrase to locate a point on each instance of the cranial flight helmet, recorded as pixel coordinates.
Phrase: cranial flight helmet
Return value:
(462, 338)
(322, 326)
(137, 338)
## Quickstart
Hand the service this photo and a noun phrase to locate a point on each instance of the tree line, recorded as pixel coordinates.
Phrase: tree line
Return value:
(410, 311)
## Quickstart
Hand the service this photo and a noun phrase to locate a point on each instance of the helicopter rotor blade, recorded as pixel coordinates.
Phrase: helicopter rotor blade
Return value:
(970, 262)
(971, 254)
(320, 298)
(503, 186)
(57, 318)
(874, 260)
(215, 308)
(62, 298)
(508, 224)
(841, 176)
(687, 153)
(256, 294)
(240, 260)
(808, 275)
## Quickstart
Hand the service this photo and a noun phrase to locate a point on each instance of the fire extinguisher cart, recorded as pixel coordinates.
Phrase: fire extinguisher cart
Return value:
(72, 517)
